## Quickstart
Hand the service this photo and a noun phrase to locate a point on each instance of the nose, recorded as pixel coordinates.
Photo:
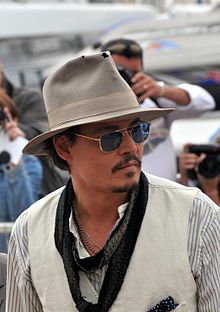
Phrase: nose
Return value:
(127, 145)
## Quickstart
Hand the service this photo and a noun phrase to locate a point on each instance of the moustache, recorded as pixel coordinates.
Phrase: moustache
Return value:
(125, 161)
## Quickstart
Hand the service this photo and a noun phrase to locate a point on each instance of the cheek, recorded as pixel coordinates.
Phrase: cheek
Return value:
(140, 150)
(100, 164)
(90, 160)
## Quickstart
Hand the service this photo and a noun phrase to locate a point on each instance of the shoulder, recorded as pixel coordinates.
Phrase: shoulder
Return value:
(171, 195)
(52, 197)
(27, 96)
(205, 212)
(20, 226)
(158, 182)
(19, 92)
(203, 236)
(20, 235)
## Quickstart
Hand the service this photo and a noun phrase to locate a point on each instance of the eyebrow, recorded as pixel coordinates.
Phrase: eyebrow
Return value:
(135, 121)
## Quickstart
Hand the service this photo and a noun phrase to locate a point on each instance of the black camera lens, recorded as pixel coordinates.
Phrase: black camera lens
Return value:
(210, 166)
(127, 74)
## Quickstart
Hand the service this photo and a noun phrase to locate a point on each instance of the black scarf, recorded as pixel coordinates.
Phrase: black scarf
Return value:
(118, 262)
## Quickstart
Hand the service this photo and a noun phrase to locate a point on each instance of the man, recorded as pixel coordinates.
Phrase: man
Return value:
(113, 239)
(32, 122)
(189, 101)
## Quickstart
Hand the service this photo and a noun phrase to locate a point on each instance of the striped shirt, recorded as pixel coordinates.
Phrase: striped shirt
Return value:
(203, 251)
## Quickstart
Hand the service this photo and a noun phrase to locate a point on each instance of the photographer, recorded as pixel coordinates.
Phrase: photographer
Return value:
(20, 180)
(33, 121)
(189, 101)
(200, 165)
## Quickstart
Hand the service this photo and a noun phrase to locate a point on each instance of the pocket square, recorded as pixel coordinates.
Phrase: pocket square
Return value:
(164, 305)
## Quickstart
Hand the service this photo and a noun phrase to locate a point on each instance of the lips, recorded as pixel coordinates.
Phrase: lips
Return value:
(129, 164)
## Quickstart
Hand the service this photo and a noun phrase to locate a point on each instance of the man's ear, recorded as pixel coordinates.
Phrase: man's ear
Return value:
(62, 144)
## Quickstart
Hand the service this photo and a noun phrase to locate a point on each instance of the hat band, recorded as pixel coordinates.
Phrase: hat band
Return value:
(91, 108)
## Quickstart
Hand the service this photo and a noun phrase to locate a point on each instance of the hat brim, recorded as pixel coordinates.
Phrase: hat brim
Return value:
(36, 146)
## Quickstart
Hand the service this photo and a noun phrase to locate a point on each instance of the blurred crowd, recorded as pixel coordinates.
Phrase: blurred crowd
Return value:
(23, 179)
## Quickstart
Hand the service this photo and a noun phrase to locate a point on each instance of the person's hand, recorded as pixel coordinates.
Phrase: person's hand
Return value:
(11, 126)
(144, 86)
(188, 161)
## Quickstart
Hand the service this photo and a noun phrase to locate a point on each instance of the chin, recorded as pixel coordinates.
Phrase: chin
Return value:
(124, 189)
(131, 183)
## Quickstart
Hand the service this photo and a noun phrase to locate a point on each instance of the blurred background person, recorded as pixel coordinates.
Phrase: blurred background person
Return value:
(199, 165)
(20, 181)
(32, 122)
(188, 100)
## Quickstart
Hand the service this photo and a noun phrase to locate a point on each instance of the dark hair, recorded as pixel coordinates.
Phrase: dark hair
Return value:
(51, 151)
(7, 101)
(125, 47)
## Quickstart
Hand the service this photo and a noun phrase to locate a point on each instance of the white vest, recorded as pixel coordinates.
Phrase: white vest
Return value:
(159, 266)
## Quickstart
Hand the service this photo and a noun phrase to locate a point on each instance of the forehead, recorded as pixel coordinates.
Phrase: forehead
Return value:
(108, 125)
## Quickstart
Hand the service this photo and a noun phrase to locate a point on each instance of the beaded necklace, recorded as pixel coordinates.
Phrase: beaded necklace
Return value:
(85, 237)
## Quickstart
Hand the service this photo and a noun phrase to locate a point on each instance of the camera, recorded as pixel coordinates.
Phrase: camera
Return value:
(127, 74)
(210, 166)
(4, 157)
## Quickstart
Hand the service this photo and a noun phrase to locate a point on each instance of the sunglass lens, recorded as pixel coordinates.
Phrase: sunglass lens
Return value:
(111, 141)
(140, 132)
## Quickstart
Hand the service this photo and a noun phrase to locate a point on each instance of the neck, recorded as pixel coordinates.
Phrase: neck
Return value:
(98, 204)
(98, 211)
(96, 214)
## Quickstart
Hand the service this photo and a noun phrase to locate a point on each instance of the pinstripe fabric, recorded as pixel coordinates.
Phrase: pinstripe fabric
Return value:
(203, 251)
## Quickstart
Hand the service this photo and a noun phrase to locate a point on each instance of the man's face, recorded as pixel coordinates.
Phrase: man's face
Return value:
(118, 171)
(134, 64)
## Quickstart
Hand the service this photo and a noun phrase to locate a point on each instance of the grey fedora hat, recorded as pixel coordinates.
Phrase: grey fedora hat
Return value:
(87, 89)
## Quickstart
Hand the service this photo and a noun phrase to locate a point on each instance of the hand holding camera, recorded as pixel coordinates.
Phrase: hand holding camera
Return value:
(209, 164)
(201, 163)
(143, 85)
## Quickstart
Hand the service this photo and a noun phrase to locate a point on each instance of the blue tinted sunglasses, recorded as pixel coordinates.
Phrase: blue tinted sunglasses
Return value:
(109, 142)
